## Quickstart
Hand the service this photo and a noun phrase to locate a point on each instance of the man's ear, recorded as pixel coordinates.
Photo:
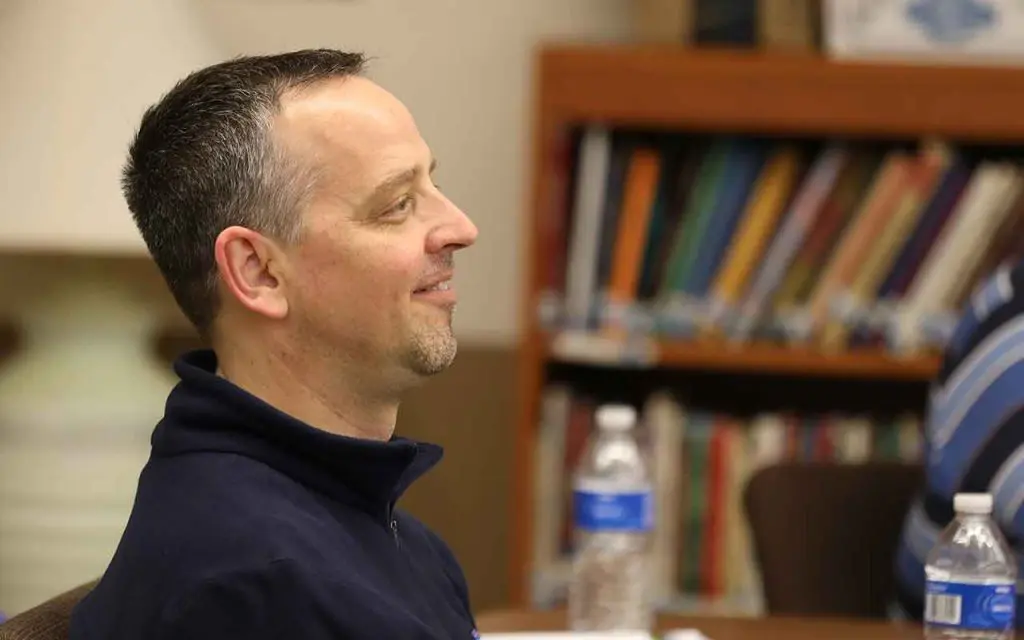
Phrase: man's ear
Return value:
(250, 266)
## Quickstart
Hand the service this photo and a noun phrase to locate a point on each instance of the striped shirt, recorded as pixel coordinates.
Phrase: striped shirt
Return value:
(974, 433)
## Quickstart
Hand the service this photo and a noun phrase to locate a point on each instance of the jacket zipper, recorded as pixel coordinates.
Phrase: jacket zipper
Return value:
(393, 525)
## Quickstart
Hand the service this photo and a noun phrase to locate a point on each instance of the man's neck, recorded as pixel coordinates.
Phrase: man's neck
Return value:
(333, 401)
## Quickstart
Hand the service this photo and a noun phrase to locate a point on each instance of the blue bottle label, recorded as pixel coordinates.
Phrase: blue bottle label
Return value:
(970, 606)
(604, 510)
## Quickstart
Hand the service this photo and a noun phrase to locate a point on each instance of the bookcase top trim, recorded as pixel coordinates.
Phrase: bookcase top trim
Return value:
(711, 90)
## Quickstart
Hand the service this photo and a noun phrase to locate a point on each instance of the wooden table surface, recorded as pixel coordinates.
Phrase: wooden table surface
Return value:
(721, 628)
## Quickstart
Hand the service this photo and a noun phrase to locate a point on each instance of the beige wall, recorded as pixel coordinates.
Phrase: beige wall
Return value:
(463, 68)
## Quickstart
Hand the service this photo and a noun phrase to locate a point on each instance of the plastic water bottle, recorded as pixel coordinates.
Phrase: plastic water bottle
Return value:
(971, 577)
(613, 518)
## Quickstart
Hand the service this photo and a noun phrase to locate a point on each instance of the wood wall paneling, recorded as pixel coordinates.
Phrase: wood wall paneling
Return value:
(8, 340)
(470, 410)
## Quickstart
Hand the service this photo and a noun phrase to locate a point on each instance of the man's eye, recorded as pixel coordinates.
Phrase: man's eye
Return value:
(404, 206)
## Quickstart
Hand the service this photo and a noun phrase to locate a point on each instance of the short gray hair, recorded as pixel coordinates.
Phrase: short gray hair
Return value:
(205, 158)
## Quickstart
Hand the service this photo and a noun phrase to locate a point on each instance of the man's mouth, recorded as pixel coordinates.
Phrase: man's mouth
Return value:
(443, 285)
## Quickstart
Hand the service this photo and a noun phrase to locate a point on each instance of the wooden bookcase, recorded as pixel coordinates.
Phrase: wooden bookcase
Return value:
(672, 88)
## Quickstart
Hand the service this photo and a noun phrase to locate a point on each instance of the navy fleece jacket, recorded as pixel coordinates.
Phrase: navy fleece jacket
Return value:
(250, 524)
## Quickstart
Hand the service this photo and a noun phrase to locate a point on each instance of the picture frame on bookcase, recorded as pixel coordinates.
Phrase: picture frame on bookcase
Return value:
(932, 31)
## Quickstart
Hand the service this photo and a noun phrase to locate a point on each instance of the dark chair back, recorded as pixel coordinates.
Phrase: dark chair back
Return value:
(825, 535)
(47, 621)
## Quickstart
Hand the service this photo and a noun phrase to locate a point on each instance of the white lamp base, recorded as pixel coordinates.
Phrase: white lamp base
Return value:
(78, 403)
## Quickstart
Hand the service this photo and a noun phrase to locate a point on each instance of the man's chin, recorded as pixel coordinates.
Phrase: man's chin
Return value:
(440, 365)
(433, 355)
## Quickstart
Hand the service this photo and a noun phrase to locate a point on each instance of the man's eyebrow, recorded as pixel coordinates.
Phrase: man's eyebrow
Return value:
(400, 179)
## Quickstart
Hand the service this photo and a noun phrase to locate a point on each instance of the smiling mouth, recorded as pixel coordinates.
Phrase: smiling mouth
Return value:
(444, 285)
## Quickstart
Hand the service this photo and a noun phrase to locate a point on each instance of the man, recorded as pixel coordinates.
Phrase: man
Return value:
(289, 204)
(974, 432)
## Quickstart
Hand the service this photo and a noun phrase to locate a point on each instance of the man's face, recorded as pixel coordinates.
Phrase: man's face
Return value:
(371, 277)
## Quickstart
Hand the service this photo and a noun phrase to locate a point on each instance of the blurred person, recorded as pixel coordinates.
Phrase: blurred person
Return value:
(289, 204)
(974, 433)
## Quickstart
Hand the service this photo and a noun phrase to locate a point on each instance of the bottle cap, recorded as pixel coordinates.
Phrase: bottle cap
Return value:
(616, 417)
(974, 503)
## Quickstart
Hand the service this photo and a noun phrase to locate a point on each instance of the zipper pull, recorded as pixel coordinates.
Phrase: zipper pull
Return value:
(394, 529)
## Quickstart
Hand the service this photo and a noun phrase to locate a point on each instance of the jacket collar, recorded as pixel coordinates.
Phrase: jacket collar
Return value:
(207, 413)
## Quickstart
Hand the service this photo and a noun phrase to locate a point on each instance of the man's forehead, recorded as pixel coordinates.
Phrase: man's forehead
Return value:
(357, 133)
(346, 116)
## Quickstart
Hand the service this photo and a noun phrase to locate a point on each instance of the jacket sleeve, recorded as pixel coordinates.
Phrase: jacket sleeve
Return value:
(265, 603)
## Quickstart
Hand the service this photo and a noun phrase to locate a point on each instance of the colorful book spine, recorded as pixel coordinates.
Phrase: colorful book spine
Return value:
(833, 245)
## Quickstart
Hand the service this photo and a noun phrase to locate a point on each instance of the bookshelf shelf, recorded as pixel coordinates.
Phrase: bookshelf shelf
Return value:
(799, 361)
(722, 356)
(721, 93)
(737, 90)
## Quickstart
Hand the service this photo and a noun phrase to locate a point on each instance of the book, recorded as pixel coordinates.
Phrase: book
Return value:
(829, 245)
(701, 460)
